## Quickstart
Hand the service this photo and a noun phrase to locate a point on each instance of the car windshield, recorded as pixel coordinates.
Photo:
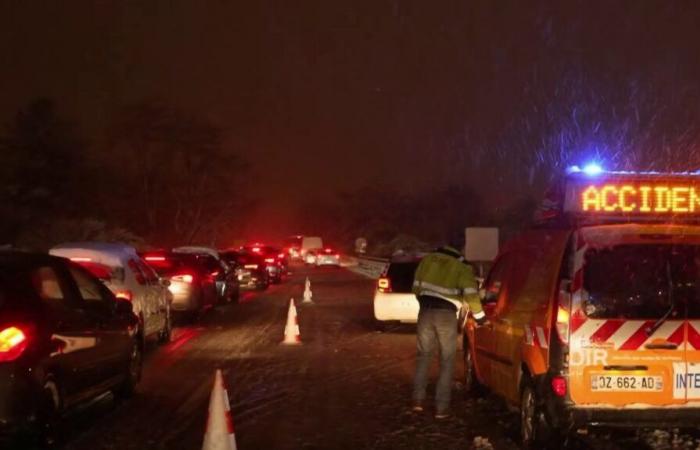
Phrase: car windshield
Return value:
(642, 281)
(400, 275)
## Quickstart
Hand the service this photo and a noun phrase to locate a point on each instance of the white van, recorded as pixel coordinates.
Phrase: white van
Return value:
(310, 243)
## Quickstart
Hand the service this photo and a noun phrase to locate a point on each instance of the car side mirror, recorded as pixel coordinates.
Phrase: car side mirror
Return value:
(123, 307)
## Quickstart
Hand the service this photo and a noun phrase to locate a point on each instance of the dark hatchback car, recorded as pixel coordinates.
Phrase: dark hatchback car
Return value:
(64, 339)
(250, 268)
(191, 282)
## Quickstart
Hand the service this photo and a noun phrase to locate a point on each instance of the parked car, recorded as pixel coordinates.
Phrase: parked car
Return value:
(292, 246)
(310, 257)
(64, 338)
(192, 286)
(225, 277)
(275, 263)
(121, 269)
(327, 257)
(249, 267)
(393, 297)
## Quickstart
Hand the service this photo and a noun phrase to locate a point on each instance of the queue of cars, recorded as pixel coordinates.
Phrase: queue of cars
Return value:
(74, 323)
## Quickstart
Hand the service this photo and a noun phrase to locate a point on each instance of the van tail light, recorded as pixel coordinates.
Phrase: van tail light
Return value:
(13, 342)
(562, 324)
(183, 278)
(559, 386)
(563, 315)
(125, 294)
(384, 284)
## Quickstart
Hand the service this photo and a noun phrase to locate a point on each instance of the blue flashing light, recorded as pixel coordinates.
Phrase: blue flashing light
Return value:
(592, 169)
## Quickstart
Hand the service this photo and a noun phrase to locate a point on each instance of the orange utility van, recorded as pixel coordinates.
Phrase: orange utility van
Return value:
(594, 313)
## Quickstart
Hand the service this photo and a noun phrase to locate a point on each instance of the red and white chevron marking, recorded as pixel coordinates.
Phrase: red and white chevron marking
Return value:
(536, 336)
(632, 334)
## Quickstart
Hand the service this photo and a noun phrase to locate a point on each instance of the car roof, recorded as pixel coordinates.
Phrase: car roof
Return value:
(197, 249)
(13, 257)
(111, 254)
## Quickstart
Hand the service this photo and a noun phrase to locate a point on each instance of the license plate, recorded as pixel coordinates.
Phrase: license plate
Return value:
(630, 383)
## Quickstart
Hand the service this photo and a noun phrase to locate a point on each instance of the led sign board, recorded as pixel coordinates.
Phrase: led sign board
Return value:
(632, 195)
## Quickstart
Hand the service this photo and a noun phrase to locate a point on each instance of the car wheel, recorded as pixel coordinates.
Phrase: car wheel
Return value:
(132, 375)
(166, 333)
(50, 413)
(471, 384)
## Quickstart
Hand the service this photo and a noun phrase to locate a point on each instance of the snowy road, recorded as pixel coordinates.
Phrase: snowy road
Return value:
(346, 387)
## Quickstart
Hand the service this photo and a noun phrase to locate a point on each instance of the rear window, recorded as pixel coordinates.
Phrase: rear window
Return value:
(102, 271)
(401, 276)
(642, 281)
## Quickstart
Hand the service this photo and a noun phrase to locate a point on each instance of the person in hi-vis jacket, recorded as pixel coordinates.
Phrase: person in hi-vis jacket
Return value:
(444, 283)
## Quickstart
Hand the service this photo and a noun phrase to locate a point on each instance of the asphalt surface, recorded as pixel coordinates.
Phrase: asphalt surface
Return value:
(347, 386)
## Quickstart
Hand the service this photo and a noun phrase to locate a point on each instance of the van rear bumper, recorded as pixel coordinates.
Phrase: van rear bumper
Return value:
(647, 417)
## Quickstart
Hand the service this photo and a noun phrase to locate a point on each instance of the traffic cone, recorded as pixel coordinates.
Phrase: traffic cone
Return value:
(219, 434)
(291, 331)
(307, 292)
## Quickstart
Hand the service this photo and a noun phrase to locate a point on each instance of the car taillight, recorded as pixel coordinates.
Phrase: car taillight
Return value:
(155, 258)
(337, 255)
(280, 256)
(183, 278)
(269, 260)
(384, 284)
(250, 266)
(125, 294)
(562, 315)
(13, 341)
(559, 386)
(81, 259)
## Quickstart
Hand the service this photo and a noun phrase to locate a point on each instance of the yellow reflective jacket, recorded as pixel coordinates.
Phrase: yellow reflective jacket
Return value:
(444, 274)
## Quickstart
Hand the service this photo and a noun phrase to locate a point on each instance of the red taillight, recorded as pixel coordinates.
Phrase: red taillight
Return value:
(183, 278)
(13, 341)
(256, 249)
(125, 294)
(81, 259)
(214, 274)
(559, 386)
(269, 260)
(155, 258)
(280, 256)
(384, 284)
(337, 255)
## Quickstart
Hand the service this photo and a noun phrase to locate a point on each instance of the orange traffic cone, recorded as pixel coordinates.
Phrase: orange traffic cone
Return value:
(291, 331)
(307, 293)
(219, 434)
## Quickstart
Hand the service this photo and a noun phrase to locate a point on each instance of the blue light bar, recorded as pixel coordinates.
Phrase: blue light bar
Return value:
(592, 169)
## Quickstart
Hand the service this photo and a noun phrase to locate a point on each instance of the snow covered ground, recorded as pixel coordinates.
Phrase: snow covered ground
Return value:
(347, 386)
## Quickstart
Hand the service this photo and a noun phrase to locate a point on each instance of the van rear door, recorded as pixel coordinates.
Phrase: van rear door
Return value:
(630, 300)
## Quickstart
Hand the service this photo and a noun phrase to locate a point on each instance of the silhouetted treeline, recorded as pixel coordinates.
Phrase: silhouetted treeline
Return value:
(162, 177)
